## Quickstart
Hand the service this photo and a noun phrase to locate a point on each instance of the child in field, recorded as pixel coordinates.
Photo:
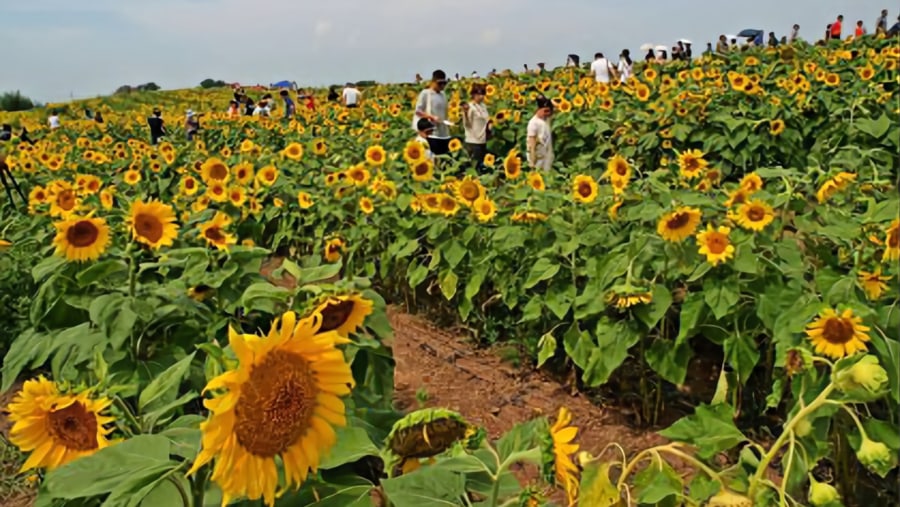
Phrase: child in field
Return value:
(540, 136)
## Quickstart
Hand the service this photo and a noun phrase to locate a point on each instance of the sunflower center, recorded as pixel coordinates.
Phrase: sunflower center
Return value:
(74, 426)
(678, 221)
(276, 404)
(469, 191)
(421, 169)
(448, 204)
(66, 200)
(621, 169)
(893, 238)
(218, 172)
(837, 330)
(214, 234)
(335, 314)
(756, 214)
(148, 226)
(189, 184)
(82, 234)
(716, 243)
(584, 189)
(691, 164)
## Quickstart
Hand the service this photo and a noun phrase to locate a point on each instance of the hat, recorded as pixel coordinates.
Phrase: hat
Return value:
(189, 113)
(424, 124)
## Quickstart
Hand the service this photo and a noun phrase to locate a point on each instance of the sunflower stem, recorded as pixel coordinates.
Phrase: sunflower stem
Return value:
(198, 486)
(128, 415)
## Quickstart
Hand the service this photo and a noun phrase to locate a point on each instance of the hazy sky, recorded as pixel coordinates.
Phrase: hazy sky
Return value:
(54, 49)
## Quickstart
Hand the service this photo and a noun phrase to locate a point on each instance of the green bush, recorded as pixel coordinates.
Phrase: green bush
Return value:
(15, 101)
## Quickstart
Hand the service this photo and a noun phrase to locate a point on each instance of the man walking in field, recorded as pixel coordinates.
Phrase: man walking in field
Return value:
(601, 69)
(351, 96)
(157, 126)
(540, 136)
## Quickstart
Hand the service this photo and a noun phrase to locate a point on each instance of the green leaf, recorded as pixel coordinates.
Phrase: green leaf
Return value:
(691, 313)
(113, 313)
(416, 274)
(546, 348)
(710, 429)
(448, 285)
(26, 347)
(164, 388)
(47, 267)
(543, 269)
(614, 340)
(476, 279)
(670, 362)
(721, 296)
(652, 313)
(702, 487)
(657, 483)
(184, 435)
(453, 252)
(408, 248)
(874, 127)
(522, 437)
(596, 489)
(559, 298)
(353, 444)
(426, 487)
(165, 492)
(745, 260)
(742, 353)
(264, 296)
(317, 274)
(100, 271)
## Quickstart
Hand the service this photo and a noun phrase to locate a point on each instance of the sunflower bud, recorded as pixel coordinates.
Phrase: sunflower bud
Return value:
(803, 427)
(584, 458)
(797, 360)
(821, 493)
(727, 498)
(866, 377)
(875, 456)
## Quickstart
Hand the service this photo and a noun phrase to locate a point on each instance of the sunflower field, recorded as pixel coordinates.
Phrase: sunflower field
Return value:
(204, 323)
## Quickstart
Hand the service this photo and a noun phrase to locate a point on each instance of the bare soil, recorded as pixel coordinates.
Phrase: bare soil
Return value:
(15, 490)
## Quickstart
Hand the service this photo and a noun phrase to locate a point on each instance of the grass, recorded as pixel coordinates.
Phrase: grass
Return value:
(16, 489)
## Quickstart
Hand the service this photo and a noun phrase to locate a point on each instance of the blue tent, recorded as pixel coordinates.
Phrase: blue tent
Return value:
(282, 84)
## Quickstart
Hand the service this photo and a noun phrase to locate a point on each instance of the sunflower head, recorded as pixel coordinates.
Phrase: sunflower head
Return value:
(584, 189)
(80, 239)
(427, 432)
(334, 248)
(561, 468)
(838, 335)
(469, 190)
(153, 224)
(484, 209)
(536, 181)
(715, 244)
(755, 215)
(215, 234)
(691, 163)
(512, 165)
(375, 155)
(214, 169)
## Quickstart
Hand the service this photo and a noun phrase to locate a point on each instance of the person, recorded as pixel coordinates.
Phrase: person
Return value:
(432, 104)
(23, 135)
(573, 60)
(418, 78)
(773, 40)
(289, 107)
(157, 126)
(475, 75)
(310, 99)
(98, 117)
(5, 132)
(758, 39)
(836, 27)
(860, 30)
(351, 95)
(661, 56)
(688, 53)
(601, 69)
(53, 120)
(191, 125)
(249, 106)
(881, 22)
(676, 53)
(263, 107)
(650, 56)
(828, 32)
(722, 45)
(234, 109)
(477, 123)
(795, 34)
(540, 136)
(895, 30)
(734, 45)
(333, 94)
(626, 66)
(88, 115)
(542, 67)
(424, 130)
(709, 50)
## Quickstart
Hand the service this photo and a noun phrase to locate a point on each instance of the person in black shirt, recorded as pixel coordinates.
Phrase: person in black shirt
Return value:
(98, 117)
(157, 126)
(6, 132)
(249, 106)
(333, 94)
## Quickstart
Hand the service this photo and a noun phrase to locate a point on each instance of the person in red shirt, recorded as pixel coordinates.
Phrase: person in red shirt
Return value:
(836, 28)
(860, 30)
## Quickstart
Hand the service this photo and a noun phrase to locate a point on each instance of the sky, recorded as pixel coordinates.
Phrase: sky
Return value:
(54, 50)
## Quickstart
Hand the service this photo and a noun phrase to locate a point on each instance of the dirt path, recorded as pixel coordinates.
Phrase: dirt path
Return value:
(487, 391)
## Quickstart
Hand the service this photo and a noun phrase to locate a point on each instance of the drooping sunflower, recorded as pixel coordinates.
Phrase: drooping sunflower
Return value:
(715, 245)
(343, 314)
(873, 283)
(81, 239)
(484, 209)
(426, 433)
(469, 190)
(214, 231)
(892, 242)
(627, 299)
(618, 168)
(282, 401)
(375, 155)
(304, 200)
(293, 151)
(755, 215)
(679, 225)
(564, 468)
(584, 189)
(267, 176)
(214, 169)
(153, 224)
(836, 335)
(691, 163)
(512, 165)
(56, 428)
(334, 248)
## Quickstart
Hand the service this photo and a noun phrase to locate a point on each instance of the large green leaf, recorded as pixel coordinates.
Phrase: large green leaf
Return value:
(691, 314)
(352, 445)
(543, 269)
(614, 340)
(670, 362)
(164, 388)
(651, 314)
(710, 429)
(596, 489)
(426, 487)
(721, 296)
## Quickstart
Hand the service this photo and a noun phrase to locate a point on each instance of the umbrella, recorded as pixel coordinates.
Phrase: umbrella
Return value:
(647, 47)
(730, 37)
(749, 33)
(685, 41)
(661, 48)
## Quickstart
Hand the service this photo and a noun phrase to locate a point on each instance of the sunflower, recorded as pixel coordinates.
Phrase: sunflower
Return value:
(715, 245)
(343, 314)
(642, 92)
(469, 190)
(423, 170)
(827, 191)
(873, 283)
(333, 249)
(447, 205)
(536, 181)
(132, 177)
(366, 205)
(267, 176)
(63, 200)
(755, 215)
(81, 239)
(37, 196)
(512, 165)
(214, 170)
(304, 200)
(214, 231)
(188, 185)
(489, 160)
(237, 195)
(56, 428)
(485, 209)
(739, 196)
(375, 155)
(866, 73)
(413, 152)
(153, 224)
(565, 470)
(892, 242)
(216, 191)
(679, 224)
(776, 127)
(836, 335)
(613, 210)
(358, 175)
(691, 163)
(624, 300)
(320, 148)
(454, 145)
(618, 168)
(282, 400)
(293, 151)
(584, 189)
(243, 173)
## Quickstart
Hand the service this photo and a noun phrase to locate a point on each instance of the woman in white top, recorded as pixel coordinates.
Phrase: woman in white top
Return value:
(626, 66)
(476, 120)
(540, 138)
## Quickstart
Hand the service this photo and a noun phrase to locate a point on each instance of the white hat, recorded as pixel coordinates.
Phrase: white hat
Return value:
(189, 113)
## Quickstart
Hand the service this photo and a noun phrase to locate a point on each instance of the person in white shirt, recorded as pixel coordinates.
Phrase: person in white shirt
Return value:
(432, 104)
(351, 95)
(601, 69)
(476, 120)
(540, 137)
(424, 129)
(53, 120)
(626, 66)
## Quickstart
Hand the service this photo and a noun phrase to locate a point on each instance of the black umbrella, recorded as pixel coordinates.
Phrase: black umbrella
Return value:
(749, 33)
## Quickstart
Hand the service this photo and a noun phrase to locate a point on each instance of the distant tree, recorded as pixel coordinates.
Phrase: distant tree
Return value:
(123, 89)
(148, 87)
(213, 83)
(15, 101)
